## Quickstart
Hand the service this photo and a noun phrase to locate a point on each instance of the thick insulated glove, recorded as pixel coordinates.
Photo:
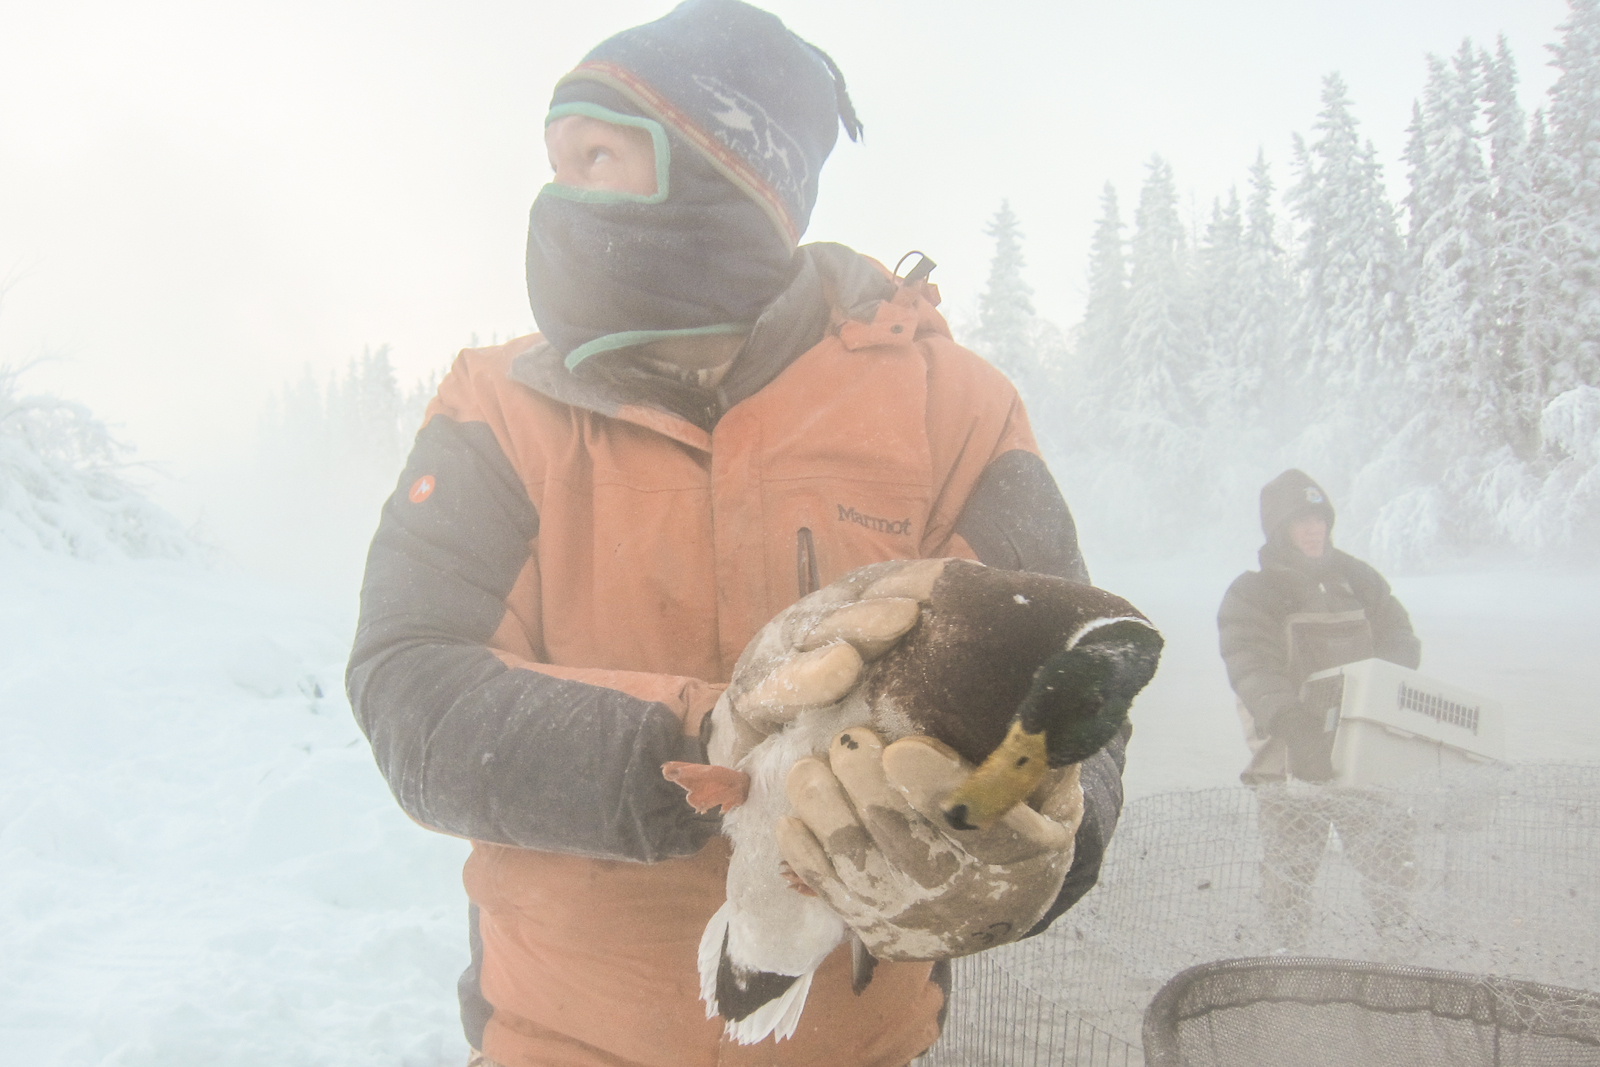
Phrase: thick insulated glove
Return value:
(1308, 740)
(870, 840)
(812, 653)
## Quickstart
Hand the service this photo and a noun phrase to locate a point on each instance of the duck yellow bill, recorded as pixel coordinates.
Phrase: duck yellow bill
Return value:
(1003, 781)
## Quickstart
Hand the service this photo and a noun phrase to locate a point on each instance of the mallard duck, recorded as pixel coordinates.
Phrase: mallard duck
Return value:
(1017, 672)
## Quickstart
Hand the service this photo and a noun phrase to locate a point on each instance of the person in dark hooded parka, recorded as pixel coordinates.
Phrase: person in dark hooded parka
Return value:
(1309, 608)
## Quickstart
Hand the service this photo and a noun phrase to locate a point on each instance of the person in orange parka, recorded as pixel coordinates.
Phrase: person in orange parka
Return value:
(597, 519)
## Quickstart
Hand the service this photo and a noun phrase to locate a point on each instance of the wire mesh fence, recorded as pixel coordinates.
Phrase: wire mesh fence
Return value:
(1492, 871)
(998, 1018)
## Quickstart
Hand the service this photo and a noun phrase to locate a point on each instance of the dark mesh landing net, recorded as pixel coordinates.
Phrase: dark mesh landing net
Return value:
(1289, 1011)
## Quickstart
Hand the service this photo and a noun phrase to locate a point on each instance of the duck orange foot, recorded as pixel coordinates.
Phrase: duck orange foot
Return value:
(796, 883)
(708, 785)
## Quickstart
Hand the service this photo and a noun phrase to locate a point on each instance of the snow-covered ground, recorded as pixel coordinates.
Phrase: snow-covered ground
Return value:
(200, 865)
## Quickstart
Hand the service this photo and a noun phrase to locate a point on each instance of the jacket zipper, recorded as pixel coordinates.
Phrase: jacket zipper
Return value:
(805, 561)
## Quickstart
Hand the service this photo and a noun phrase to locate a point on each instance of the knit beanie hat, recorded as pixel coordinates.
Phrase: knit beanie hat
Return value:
(760, 104)
(1289, 496)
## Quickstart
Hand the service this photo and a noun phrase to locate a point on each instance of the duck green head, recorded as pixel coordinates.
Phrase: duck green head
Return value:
(1077, 703)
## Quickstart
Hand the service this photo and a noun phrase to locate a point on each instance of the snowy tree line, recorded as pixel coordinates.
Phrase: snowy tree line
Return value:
(1435, 362)
(335, 438)
(328, 452)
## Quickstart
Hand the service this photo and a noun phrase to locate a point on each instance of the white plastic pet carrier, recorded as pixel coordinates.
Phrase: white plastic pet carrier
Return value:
(1394, 723)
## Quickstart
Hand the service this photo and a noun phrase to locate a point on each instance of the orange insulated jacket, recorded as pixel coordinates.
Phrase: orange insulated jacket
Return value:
(559, 587)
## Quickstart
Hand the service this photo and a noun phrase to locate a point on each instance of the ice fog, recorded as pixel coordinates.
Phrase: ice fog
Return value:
(201, 862)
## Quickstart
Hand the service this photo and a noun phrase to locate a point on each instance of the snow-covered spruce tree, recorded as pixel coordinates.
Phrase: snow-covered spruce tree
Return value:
(355, 429)
(1143, 472)
(1222, 386)
(1227, 384)
(1452, 367)
(1503, 505)
(1563, 301)
(1097, 342)
(1525, 352)
(1005, 308)
(1573, 190)
(1350, 334)
(1564, 517)
(1352, 328)
(1558, 514)
(1153, 389)
(1513, 246)
(1271, 296)
(63, 484)
(1245, 294)
(1027, 349)
(1453, 379)
(1545, 327)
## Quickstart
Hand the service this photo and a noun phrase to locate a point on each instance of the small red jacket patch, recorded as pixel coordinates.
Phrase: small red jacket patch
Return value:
(421, 489)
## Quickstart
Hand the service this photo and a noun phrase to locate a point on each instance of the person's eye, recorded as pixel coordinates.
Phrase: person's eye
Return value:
(599, 155)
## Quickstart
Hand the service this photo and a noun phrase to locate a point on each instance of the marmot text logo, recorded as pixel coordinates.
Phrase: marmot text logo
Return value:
(891, 526)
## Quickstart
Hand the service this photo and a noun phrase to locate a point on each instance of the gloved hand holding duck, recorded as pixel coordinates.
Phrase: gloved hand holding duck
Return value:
(897, 760)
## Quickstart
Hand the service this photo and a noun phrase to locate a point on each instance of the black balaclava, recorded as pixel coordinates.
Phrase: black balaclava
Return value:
(608, 271)
(742, 113)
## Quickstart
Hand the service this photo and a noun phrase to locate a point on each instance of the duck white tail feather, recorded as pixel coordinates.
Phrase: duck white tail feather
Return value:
(710, 956)
(778, 1016)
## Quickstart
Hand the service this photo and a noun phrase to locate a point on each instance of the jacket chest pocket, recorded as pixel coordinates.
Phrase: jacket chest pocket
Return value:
(820, 533)
(1319, 640)
(850, 464)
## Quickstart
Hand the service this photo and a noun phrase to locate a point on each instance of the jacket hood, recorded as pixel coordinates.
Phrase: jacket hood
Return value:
(1289, 496)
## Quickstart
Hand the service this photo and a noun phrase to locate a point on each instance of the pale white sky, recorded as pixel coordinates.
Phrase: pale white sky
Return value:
(198, 199)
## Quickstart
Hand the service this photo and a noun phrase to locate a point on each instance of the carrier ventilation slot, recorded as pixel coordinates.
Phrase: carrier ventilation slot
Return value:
(1437, 707)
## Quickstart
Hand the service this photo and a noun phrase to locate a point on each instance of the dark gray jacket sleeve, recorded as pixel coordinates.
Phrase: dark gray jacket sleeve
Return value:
(1101, 776)
(1254, 649)
(1016, 519)
(1392, 636)
(468, 745)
